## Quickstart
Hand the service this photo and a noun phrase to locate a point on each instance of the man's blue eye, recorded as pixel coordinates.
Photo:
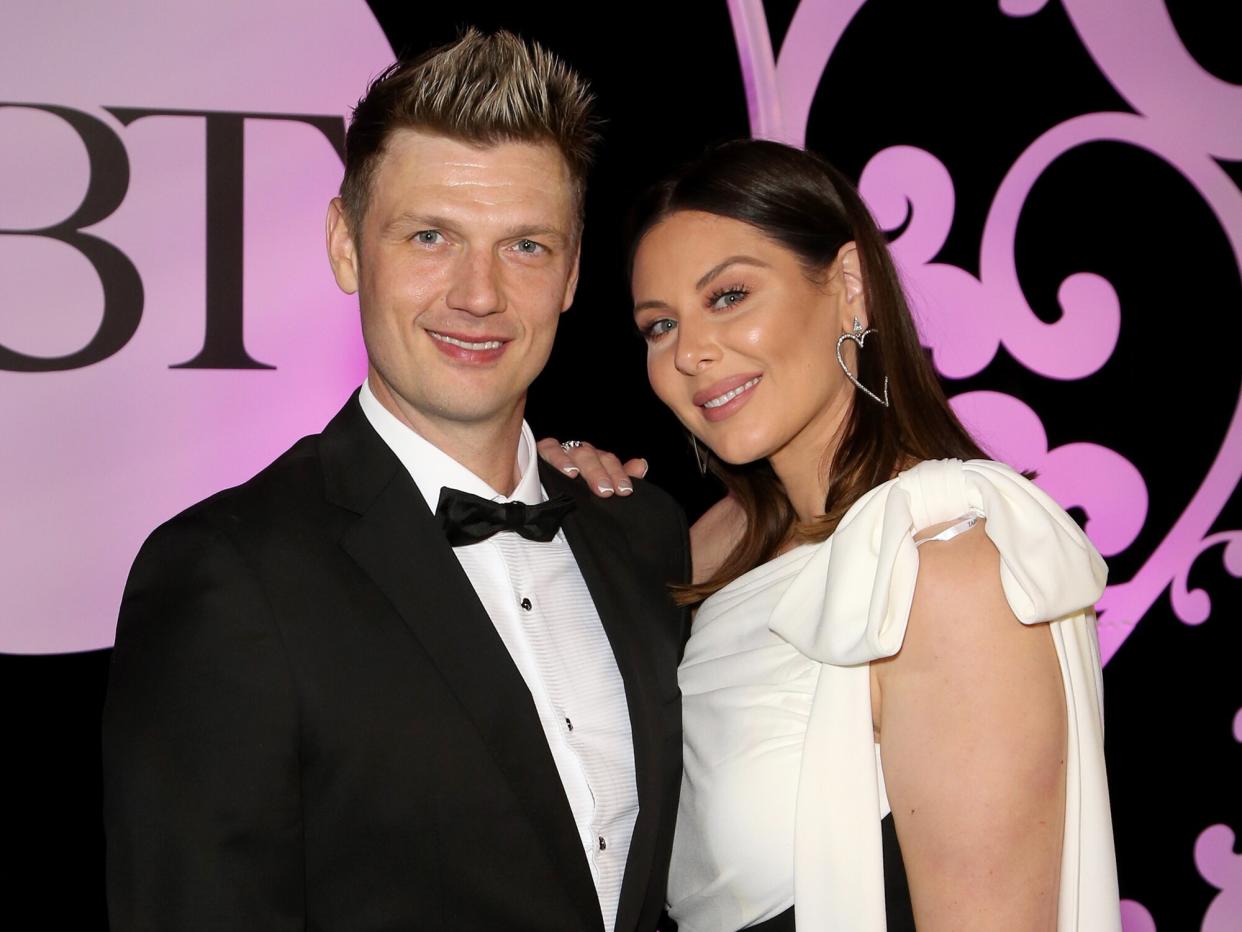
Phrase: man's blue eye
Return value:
(429, 237)
(528, 245)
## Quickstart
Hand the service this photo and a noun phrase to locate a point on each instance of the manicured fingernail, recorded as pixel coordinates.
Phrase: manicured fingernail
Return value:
(646, 467)
(570, 471)
(605, 489)
(624, 487)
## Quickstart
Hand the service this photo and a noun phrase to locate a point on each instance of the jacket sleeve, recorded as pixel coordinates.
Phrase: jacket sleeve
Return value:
(200, 746)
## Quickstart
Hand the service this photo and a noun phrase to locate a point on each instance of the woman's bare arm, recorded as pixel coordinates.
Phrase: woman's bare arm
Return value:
(972, 727)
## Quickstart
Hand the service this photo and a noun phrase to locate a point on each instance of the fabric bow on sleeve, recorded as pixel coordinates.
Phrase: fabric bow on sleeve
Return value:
(850, 605)
(853, 598)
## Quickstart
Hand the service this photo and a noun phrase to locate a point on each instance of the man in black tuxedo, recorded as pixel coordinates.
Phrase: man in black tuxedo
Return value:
(345, 696)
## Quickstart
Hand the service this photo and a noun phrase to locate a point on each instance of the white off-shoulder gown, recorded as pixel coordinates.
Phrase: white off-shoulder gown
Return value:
(783, 794)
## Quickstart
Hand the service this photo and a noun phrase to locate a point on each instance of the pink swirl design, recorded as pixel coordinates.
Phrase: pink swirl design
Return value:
(1193, 606)
(1085, 475)
(1135, 917)
(1222, 868)
(903, 183)
(965, 319)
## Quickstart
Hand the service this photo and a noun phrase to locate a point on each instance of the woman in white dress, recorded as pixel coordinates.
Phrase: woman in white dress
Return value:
(891, 690)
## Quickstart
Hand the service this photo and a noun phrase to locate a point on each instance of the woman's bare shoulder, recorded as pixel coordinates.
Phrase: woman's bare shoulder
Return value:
(714, 536)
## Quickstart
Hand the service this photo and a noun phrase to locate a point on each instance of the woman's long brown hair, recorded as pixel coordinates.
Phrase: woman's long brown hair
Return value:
(800, 201)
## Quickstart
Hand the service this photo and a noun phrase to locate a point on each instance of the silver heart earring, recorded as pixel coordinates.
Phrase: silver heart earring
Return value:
(859, 336)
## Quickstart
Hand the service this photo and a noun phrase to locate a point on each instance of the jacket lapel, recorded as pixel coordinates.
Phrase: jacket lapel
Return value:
(605, 560)
(397, 542)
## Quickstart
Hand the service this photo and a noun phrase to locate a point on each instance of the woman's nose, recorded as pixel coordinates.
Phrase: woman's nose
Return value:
(696, 350)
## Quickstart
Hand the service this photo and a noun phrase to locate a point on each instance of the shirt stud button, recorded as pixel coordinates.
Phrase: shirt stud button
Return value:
(602, 844)
(526, 604)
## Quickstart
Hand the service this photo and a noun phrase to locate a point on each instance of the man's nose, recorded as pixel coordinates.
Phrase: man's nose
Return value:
(475, 287)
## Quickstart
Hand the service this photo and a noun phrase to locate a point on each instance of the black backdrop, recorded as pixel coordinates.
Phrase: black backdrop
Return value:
(974, 87)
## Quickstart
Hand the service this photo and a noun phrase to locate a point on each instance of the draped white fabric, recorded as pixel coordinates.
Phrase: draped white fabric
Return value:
(845, 603)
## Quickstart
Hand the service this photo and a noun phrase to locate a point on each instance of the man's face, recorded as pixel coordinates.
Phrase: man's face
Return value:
(466, 259)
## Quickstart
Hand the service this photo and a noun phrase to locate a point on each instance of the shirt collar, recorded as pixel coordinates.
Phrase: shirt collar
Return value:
(432, 469)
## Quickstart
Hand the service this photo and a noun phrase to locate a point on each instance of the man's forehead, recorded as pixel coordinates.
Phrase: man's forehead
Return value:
(437, 181)
(421, 157)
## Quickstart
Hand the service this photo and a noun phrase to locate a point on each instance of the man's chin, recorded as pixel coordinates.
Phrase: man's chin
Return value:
(472, 412)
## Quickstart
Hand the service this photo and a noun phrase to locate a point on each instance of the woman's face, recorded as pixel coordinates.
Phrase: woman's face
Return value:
(740, 343)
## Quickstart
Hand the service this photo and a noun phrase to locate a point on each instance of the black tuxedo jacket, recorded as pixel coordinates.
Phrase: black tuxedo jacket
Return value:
(312, 724)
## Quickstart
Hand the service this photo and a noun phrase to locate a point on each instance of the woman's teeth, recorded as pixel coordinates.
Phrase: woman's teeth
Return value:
(731, 394)
(486, 345)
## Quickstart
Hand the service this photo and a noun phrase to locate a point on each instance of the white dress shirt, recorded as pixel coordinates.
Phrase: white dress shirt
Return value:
(543, 612)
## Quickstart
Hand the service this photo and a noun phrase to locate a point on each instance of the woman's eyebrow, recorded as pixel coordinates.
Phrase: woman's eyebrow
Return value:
(711, 273)
(643, 305)
(721, 266)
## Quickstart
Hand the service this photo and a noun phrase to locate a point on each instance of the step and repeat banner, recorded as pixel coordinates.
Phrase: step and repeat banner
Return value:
(1060, 182)
(169, 322)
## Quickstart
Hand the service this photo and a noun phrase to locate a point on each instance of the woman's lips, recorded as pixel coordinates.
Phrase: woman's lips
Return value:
(727, 396)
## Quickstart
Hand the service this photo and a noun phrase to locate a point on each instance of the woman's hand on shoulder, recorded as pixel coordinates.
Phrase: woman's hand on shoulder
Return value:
(972, 725)
(602, 471)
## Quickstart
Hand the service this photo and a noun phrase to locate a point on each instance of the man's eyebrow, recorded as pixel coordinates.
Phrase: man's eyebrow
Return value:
(423, 221)
(533, 230)
(721, 266)
(410, 220)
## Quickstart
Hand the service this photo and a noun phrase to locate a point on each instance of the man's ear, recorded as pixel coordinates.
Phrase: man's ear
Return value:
(342, 248)
(571, 286)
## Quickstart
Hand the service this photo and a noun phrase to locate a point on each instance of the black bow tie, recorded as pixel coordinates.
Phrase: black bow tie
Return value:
(468, 519)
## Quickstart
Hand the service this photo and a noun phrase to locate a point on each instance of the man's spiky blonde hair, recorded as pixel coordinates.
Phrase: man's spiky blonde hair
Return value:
(481, 89)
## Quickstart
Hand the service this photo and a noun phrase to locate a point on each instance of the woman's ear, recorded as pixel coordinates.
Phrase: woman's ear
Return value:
(851, 274)
(855, 303)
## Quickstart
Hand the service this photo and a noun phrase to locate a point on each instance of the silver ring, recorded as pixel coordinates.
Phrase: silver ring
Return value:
(568, 445)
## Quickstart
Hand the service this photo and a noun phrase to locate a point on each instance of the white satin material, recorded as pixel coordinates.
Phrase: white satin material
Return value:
(848, 604)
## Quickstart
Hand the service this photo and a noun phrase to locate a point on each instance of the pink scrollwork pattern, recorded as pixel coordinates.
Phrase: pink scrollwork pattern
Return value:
(964, 319)
(1084, 475)
(1222, 868)
(1135, 917)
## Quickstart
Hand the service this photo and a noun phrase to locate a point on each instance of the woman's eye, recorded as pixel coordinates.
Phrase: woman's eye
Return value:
(657, 328)
(723, 300)
(428, 237)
